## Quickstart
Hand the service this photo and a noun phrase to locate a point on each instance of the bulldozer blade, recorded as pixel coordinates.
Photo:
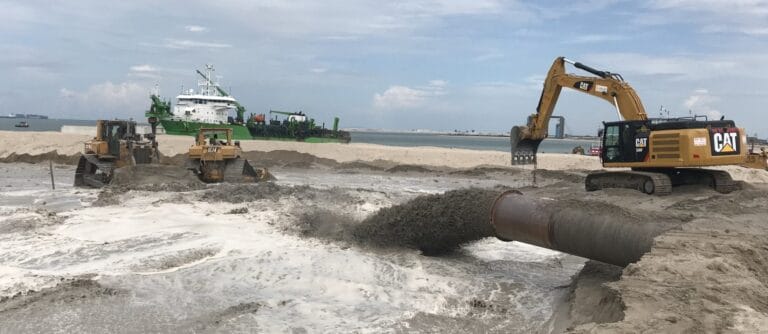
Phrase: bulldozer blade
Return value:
(241, 171)
(523, 149)
(91, 172)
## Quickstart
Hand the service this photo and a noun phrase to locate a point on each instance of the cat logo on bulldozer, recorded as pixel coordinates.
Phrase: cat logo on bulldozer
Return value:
(725, 141)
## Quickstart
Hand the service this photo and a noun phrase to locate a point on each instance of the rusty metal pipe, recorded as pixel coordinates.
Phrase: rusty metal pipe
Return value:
(614, 238)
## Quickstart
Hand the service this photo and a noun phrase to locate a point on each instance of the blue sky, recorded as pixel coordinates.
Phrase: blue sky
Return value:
(423, 64)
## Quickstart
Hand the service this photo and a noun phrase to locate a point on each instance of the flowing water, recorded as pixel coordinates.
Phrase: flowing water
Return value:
(160, 261)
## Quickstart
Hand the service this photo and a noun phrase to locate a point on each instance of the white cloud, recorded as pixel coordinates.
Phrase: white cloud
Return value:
(488, 56)
(189, 44)
(402, 97)
(344, 20)
(701, 102)
(143, 68)
(594, 38)
(318, 70)
(680, 67)
(714, 16)
(144, 71)
(126, 99)
(193, 28)
(437, 84)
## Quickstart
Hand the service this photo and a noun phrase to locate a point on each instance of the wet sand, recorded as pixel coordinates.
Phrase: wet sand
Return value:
(708, 275)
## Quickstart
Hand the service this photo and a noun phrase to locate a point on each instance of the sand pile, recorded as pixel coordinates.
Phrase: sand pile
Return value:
(52, 156)
(148, 177)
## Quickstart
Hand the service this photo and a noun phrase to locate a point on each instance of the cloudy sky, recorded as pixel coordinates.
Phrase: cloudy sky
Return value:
(421, 64)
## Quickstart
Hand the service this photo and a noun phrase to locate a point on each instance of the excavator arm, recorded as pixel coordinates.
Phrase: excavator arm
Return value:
(608, 86)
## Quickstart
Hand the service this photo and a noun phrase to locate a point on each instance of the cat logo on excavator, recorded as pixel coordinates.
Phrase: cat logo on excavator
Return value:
(725, 141)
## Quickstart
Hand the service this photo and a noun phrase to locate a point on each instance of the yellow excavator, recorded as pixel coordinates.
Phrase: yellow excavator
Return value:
(116, 144)
(216, 158)
(660, 153)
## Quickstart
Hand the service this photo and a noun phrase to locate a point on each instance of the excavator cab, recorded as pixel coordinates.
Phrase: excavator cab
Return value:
(625, 141)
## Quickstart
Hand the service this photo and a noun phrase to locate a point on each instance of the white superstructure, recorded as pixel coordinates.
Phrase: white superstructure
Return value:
(208, 105)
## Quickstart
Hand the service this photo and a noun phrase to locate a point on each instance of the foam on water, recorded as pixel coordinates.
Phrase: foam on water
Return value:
(192, 266)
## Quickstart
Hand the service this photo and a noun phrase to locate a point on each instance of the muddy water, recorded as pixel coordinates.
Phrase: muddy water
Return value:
(169, 261)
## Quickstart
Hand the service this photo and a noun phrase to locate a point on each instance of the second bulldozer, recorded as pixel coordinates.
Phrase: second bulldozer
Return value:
(216, 158)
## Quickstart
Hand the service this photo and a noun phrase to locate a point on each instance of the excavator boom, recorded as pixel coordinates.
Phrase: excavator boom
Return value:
(608, 86)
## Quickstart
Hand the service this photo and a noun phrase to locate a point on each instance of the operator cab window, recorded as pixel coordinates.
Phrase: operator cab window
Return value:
(612, 152)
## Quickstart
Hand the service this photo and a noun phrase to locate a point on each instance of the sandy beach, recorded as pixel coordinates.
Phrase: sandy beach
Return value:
(336, 245)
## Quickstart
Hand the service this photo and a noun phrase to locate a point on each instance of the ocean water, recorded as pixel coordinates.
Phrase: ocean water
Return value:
(41, 124)
(380, 138)
(464, 142)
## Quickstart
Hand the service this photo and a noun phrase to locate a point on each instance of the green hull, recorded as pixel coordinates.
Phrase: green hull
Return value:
(240, 132)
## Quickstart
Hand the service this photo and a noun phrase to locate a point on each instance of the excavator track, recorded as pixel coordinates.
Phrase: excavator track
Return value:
(724, 184)
(718, 180)
(651, 183)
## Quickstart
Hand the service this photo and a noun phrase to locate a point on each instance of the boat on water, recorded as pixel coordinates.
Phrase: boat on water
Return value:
(211, 106)
(22, 124)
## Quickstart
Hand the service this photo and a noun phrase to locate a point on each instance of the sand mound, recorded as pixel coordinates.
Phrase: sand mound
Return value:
(155, 178)
(148, 178)
(409, 169)
(286, 158)
(175, 259)
(53, 156)
(67, 291)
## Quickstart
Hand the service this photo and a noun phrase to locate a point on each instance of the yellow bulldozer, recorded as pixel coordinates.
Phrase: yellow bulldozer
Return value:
(656, 153)
(115, 145)
(216, 158)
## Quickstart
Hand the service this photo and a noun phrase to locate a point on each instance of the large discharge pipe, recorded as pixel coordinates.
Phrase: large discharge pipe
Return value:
(616, 237)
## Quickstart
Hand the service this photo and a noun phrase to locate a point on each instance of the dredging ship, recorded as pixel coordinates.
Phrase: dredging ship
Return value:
(211, 107)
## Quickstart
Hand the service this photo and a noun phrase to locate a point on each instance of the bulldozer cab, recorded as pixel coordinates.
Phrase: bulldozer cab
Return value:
(112, 132)
(214, 137)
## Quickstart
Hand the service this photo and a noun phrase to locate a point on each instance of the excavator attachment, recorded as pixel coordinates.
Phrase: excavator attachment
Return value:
(523, 149)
